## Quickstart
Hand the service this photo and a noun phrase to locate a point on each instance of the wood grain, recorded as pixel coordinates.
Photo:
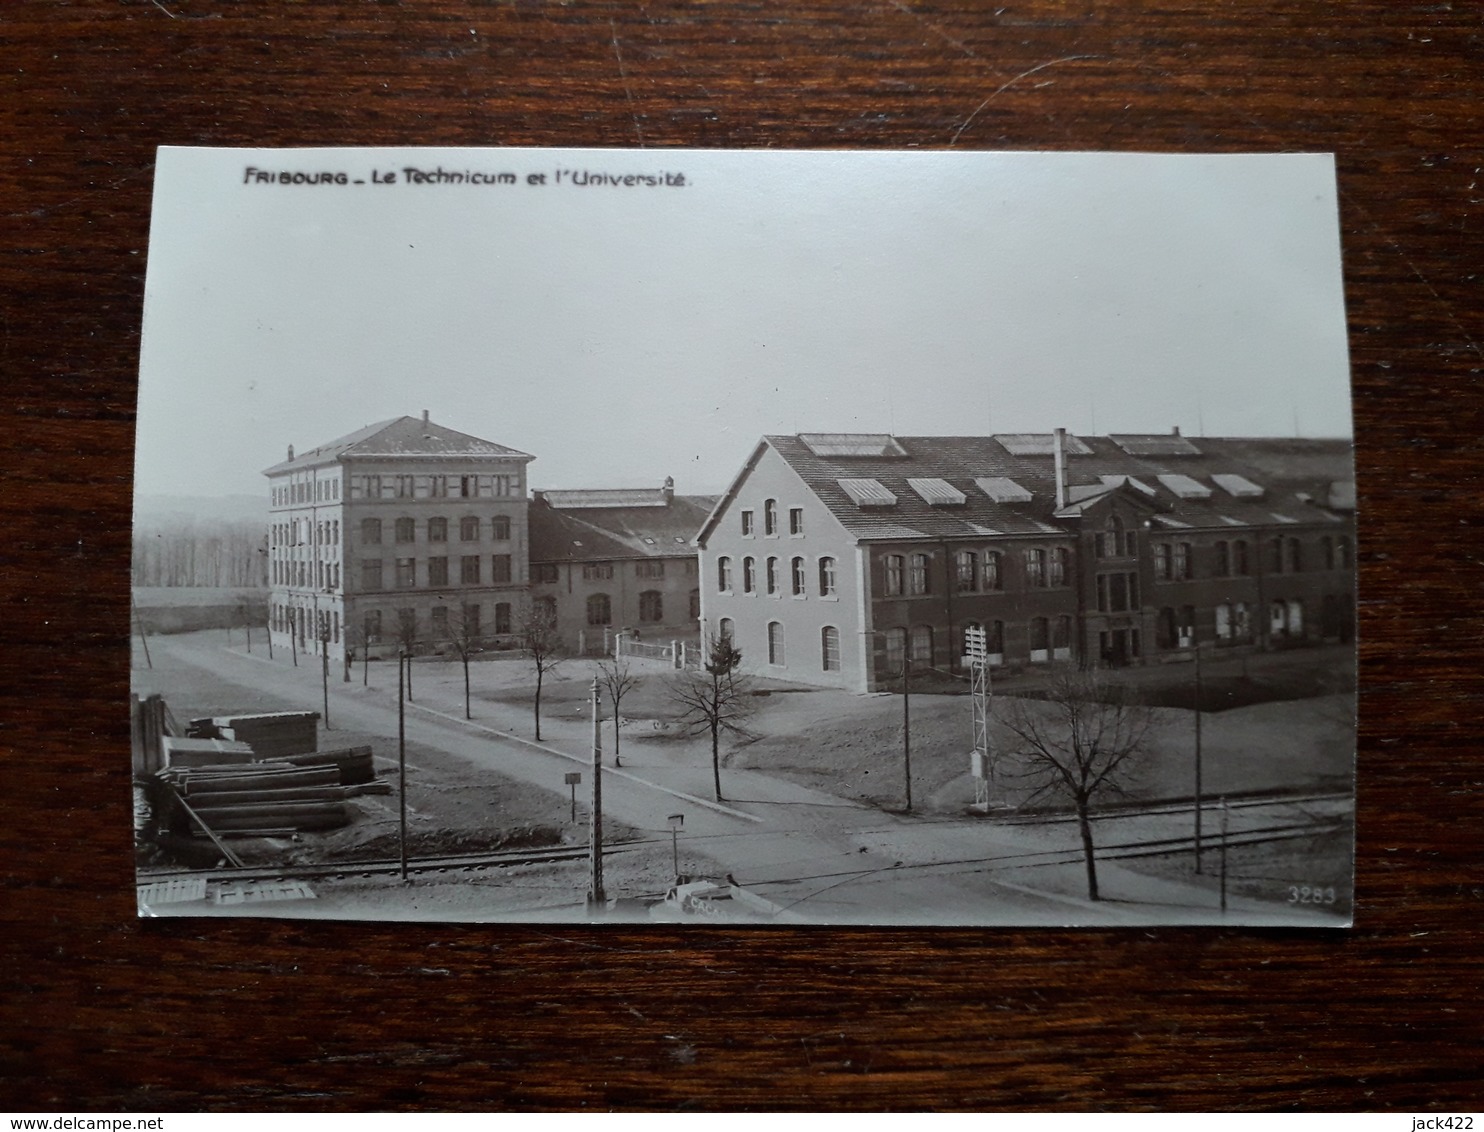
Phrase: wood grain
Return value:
(101, 1011)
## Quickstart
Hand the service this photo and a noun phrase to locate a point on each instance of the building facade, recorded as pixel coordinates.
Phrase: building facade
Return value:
(839, 559)
(404, 534)
(618, 561)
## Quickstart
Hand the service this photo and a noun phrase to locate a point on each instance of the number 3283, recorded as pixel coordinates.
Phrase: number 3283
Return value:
(1310, 894)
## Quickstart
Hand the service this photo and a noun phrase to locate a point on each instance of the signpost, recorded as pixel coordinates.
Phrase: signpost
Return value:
(595, 898)
(574, 780)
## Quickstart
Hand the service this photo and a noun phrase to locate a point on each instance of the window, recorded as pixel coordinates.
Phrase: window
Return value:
(370, 532)
(1035, 568)
(1182, 566)
(406, 573)
(990, 577)
(1223, 623)
(1114, 541)
(440, 622)
(468, 486)
(469, 621)
(405, 487)
(1240, 565)
(500, 568)
(653, 568)
(1164, 628)
(896, 650)
(694, 605)
(599, 610)
(1061, 565)
(724, 574)
(1164, 562)
(502, 617)
(772, 575)
(996, 642)
(1187, 626)
(1040, 640)
(651, 606)
(469, 528)
(597, 571)
(546, 572)
(1295, 556)
(826, 577)
(747, 528)
(770, 517)
(1275, 555)
(406, 530)
(922, 645)
(800, 578)
(1223, 559)
(749, 575)
(372, 627)
(1295, 619)
(1061, 640)
(437, 571)
(438, 487)
(796, 520)
(967, 571)
(407, 626)
(1118, 593)
(894, 563)
(500, 528)
(469, 570)
(371, 573)
(918, 579)
(829, 648)
(725, 629)
(775, 643)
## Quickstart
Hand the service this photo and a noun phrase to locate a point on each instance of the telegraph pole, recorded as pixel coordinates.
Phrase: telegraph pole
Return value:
(907, 725)
(324, 654)
(1197, 755)
(595, 899)
(402, 759)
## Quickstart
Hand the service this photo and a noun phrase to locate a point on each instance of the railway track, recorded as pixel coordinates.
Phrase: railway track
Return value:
(346, 870)
(1209, 804)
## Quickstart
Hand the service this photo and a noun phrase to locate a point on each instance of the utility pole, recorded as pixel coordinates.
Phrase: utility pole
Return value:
(324, 653)
(402, 759)
(1223, 854)
(907, 724)
(1197, 754)
(143, 639)
(595, 899)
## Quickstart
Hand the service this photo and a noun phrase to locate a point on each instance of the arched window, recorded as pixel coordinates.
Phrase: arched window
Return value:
(1110, 542)
(651, 606)
(919, 579)
(500, 527)
(1061, 640)
(1035, 568)
(896, 650)
(826, 577)
(1295, 556)
(967, 571)
(799, 578)
(1240, 565)
(775, 643)
(996, 642)
(724, 574)
(406, 530)
(370, 532)
(991, 577)
(770, 516)
(749, 575)
(1061, 566)
(1040, 640)
(829, 648)
(438, 530)
(1223, 623)
(599, 610)
(772, 579)
(469, 528)
(725, 629)
(893, 565)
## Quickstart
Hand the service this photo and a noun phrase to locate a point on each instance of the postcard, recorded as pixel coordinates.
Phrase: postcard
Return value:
(745, 538)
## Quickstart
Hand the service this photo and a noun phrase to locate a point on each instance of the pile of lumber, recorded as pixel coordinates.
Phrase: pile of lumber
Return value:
(271, 735)
(271, 798)
(204, 752)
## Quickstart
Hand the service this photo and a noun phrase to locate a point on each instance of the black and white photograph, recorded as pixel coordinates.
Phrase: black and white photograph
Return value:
(747, 538)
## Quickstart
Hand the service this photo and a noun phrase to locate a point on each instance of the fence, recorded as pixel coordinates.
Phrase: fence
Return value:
(673, 654)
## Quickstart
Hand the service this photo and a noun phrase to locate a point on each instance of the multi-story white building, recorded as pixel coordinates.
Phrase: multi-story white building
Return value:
(403, 533)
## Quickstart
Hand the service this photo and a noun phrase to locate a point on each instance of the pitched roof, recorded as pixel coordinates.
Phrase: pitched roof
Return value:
(589, 534)
(1095, 466)
(400, 436)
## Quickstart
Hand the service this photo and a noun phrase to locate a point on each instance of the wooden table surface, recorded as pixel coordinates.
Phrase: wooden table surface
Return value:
(98, 1010)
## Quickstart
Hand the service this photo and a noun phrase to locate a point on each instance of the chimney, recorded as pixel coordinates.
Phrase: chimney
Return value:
(1058, 451)
(291, 451)
(1175, 431)
(668, 490)
(425, 416)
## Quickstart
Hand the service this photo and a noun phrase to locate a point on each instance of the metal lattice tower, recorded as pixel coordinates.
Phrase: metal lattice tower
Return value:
(981, 757)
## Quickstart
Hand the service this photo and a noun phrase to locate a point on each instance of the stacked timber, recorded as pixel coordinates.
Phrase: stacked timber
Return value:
(204, 752)
(355, 764)
(259, 799)
(272, 735)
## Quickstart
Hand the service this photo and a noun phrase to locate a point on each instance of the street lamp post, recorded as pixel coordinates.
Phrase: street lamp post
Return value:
(676, 822)
(1198, 801)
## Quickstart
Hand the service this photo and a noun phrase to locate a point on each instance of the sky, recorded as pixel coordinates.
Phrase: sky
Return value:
(622, 333)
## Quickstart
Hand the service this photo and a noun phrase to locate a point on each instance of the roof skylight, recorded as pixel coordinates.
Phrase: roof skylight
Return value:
(832, 445)
(867, 493)
(1185, 487)
(937, 492)
(1238, 487)
(1002, 489)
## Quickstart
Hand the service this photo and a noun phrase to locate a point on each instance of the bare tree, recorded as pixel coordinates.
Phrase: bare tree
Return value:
(1083, 741)
(714, 700)
(617, 681)
(542, 642)
(465, 640)
(407, 641)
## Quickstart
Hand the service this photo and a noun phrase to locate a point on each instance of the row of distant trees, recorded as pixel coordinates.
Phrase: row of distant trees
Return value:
(195, 552)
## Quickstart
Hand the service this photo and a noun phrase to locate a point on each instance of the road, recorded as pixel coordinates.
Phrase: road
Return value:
(823, 858)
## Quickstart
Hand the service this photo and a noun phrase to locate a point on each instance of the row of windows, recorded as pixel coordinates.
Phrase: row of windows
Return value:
(298, 532)
(443, 624)
(770, 521)
(304, 624)
(976, 573)
(1175, 561)
(436, 571)
(320, 575)
(434, 486)
(798, 576)
(405, 529)
(550, 573)
(829, 644)
(306, 491)
(651, 607)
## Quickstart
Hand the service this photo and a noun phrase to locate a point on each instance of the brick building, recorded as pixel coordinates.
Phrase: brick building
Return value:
(619, 560)
(834, 559)
(403, 530)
